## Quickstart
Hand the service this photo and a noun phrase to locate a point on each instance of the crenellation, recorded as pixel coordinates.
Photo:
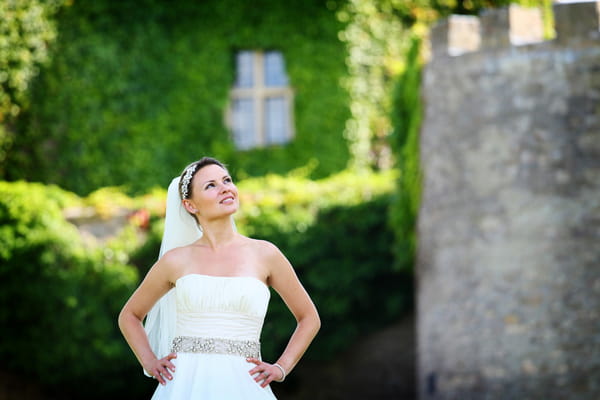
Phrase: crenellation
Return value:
(507, 264)
(513, 26)
(463, 35)
(495, 28)
(526, 25)
(455, 35)
(576, 21)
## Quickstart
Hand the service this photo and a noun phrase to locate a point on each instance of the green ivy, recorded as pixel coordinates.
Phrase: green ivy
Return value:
(27, 29)
(137, 89)
(407, 115)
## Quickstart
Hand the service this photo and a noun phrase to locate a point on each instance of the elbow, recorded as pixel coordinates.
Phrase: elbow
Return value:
(317, 323)
(121, 319)
(124, 316)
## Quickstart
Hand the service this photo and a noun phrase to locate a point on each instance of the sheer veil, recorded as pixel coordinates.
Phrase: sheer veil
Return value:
(180, 230)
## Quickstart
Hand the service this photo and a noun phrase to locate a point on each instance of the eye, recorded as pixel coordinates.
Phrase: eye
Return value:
(209, 185)
(228, 180)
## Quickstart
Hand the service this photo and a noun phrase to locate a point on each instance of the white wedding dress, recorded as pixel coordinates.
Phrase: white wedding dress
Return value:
(219, 320)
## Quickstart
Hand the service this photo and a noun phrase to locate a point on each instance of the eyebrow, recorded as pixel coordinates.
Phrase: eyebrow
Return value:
(212, 180)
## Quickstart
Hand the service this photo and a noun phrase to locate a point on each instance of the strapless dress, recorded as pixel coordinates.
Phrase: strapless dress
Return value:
(219, 321)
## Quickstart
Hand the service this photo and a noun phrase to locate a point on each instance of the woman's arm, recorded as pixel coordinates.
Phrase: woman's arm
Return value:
(153, 287)
(284, 280)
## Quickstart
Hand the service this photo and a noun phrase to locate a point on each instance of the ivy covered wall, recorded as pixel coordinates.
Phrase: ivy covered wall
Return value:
(137, 89)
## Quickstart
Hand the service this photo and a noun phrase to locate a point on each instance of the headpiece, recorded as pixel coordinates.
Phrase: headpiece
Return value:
(187, 178)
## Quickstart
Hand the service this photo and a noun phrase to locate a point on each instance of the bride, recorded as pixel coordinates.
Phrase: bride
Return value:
(206, 297)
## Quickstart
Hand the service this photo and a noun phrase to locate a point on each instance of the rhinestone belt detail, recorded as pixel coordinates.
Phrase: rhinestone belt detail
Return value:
(192, 344)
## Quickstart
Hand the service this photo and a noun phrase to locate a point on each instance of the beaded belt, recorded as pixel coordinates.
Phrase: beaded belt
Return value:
(193, 344)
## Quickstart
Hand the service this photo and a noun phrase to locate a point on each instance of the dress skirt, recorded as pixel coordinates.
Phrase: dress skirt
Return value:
(212, 377)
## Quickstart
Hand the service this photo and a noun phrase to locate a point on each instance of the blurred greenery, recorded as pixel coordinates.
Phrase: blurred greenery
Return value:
(27, 28)
(107, 99)
(59, 297)
(148, 82)
(62, 292)
(406, 119)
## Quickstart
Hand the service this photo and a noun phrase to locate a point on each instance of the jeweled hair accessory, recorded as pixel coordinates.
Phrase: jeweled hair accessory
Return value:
(185, 182)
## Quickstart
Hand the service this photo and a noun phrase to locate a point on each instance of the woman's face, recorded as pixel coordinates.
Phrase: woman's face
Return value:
(214, 195)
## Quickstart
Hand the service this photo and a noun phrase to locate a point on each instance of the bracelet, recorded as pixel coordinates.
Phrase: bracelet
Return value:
(282, 371)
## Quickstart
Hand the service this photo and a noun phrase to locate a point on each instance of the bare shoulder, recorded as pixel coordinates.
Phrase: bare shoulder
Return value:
(265, 248)
(174, 256)
(172, 261)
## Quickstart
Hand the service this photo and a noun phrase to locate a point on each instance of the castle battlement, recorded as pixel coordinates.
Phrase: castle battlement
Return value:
(574, 22)
(507, 262)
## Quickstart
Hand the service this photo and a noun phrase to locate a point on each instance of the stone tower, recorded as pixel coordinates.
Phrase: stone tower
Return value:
(509, 230)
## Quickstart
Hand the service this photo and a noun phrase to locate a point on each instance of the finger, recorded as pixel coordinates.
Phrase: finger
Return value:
(262, 376)
(164, 371)
(267, 381)
(171, 356)
(159, 378)
(254, 360)
(170, 366)
(258, 367)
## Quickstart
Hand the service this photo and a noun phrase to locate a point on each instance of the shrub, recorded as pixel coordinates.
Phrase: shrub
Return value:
(345, 261)
(61, 294)
(59, 298)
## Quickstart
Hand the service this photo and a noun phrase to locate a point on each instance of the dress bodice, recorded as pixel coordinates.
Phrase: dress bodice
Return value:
(221, 307)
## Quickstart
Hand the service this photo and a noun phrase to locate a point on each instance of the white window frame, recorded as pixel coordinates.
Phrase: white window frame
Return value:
(259, 93)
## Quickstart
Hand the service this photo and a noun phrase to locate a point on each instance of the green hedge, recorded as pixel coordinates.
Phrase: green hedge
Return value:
(61, 292)
(345, 261)
(59, 299)
(336, 233)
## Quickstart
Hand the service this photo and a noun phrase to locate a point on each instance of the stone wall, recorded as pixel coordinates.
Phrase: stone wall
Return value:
(509, 250)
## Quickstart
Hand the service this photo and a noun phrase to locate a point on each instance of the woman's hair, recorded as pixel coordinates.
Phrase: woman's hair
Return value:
(185, 182)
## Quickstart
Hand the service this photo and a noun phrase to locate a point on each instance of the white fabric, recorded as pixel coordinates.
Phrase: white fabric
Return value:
(235, 307)
(180, 230)
(205, 306)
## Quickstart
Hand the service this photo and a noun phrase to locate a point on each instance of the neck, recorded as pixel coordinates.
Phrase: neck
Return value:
(218, 233)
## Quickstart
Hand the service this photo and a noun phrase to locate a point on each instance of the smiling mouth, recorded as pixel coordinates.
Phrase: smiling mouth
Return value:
(227, 199)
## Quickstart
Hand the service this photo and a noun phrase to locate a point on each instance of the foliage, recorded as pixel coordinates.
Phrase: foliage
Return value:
(290, 204)
(48, 269)
(345, 261)
(406, 119)
(375, 43)
(336, 234)
(137, 89)
(59, 299)
(26, 30)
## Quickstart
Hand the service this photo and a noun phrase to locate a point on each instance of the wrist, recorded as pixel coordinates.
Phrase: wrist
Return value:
(283, 373)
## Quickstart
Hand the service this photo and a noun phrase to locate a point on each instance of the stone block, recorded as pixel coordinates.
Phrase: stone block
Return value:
(495, 28)
(526, 25)
(576, 21)
(456, 35)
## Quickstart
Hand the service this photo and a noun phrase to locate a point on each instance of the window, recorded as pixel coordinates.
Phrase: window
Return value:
(261, 101)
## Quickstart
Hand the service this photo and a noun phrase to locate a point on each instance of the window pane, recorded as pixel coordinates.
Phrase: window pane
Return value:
(245, 69)
(243, 123)
(276, 120)
(275, 69)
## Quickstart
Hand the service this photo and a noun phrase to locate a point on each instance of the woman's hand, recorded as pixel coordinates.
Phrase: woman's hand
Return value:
(162, 368)
(267, 373)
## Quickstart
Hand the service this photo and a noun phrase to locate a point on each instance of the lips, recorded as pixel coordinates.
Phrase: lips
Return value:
(227, 200)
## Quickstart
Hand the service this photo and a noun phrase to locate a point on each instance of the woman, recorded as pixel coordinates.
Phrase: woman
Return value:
(213, 316)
